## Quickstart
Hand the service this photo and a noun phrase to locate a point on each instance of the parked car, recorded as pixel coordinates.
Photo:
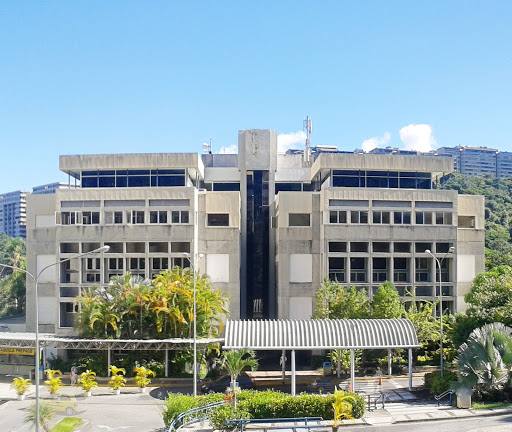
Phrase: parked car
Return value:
(219, 385)
(63, 404)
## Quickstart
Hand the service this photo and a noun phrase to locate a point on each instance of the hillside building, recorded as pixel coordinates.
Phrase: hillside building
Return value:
(267, 228)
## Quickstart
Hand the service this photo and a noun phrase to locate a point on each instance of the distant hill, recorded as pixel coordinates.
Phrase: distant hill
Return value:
(498, 213)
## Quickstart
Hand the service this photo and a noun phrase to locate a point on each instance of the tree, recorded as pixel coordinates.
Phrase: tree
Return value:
(386, 302)
(485, 360)
(12, 282)
(489, 300)
(334, 301)
(235, 361)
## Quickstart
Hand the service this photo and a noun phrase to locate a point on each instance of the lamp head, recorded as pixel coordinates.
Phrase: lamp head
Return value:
(451, 250)
(186, 254)
(105, 248)
(427, 251)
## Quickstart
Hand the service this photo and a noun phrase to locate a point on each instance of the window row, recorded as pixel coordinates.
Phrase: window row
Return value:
(386, 247)
(93, 269)
(381, 179)
(397, 270)
(123, 217)
(128, 247)
(133, 178)
(388, 217)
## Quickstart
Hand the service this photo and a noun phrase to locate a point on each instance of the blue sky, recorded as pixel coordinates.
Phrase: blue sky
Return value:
(83, 77)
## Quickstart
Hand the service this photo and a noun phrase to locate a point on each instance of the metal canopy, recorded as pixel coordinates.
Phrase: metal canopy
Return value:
(27, 340)
(321, 334)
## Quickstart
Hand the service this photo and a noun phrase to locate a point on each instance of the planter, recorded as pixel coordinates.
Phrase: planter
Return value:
(143, 389)
(464, 400)
(117, 391)
(21, 397)
(88, 393)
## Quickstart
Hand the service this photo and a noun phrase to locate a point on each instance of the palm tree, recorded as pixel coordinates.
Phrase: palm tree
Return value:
(235, 361)
(485, 360)
(45, 415)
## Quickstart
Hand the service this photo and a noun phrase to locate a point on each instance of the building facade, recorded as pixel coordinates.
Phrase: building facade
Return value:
(267, 228)
(13, 213)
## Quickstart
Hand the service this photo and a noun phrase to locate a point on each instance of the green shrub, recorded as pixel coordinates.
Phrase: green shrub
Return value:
(176, 403)
(225, 412)
(438, 385)
(271, 404)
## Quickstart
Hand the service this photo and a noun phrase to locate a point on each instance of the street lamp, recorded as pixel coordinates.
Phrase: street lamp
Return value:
(439, 264)
(36, 312)
(194, 361)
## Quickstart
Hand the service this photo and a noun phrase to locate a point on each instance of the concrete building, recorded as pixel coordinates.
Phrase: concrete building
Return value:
(266, 227)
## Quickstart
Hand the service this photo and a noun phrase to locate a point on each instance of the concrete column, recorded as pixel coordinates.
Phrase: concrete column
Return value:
(293, 372)
(338, 367)
(390, 362)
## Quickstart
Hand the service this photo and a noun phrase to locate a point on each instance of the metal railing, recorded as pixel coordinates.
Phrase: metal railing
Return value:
(374, 399)
(193, 415)
(441, 396)
(288, 423)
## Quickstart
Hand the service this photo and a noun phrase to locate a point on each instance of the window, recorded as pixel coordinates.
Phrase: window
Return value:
(137, 216)
(421, 247)
(423, 218)
(357, 269)
(337, 246)
(158, 265)
(91, 270)
(181, 216)
(402, 217)
(90, 218)
(115, 267)
(180, 262)
(218, 219)
(113, 217)
(69, 218)
(443, 218)
(358, 247)
(401, 270)
(423, 269)
(337, 269)
(337, 216)
(137, 266)
(380, 246)
(180, 247)
(158, 216)
(380, 270)
(299, 219)
(359, 216)
(402, 247)
(466, 221)
(380, 217)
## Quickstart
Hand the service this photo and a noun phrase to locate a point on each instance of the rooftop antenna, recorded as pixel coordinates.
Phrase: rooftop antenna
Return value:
(207, 147)
(308, 128)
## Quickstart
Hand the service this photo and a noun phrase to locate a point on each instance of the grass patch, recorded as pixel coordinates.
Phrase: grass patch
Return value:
(490, 405)
(67, 424)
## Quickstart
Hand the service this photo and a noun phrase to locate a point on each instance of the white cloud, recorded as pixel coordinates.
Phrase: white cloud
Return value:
(375, 142)
(290, 140)
(418, 137)
(233, 149)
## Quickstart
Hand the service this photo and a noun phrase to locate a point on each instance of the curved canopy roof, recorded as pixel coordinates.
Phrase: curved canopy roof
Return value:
(320, 334)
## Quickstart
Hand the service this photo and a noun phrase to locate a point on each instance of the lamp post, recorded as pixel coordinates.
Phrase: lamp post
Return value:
(194, 361)
(439, 264)
(36, 313)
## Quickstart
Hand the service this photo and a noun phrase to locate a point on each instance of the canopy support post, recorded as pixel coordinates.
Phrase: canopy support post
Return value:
(293, 372)
(410, 369)
(352, 370)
